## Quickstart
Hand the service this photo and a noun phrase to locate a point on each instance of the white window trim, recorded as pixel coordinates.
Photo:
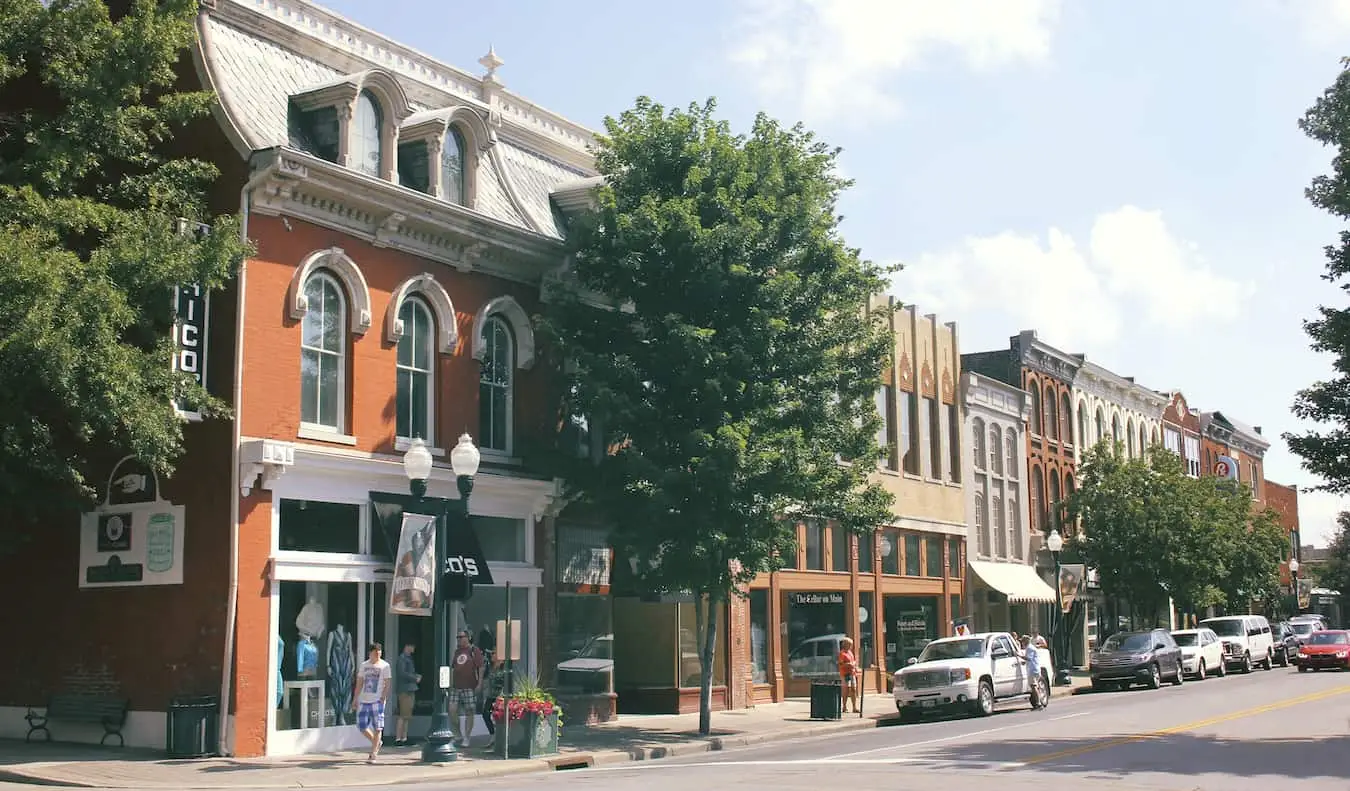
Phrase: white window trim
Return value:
(341, 357)
(322, 433)
(430, 371)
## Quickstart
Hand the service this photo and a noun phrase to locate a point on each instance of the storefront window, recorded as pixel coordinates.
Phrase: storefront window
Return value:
(480, 617)
(865, 549)
(309, 526)
(867, 623)
(890, 551)
(816, 621)
(933, 561)
(759, 635)
(954, 560)
(838, 548)
(691, 644)
(815, 546)
(319, 650)
(955, 603)
(912, 565)
(585, 645)
(911, 623)
(500, 538)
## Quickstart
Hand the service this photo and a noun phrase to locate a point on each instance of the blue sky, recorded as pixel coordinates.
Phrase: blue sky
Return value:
(1124, 177)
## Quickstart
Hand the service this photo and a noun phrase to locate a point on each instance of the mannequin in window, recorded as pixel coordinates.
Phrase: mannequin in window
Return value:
(310, 622)
(281, 656)
(341, 670)
(306, 657)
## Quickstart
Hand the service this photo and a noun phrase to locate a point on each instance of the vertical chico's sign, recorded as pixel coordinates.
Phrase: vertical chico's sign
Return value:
(191, 317)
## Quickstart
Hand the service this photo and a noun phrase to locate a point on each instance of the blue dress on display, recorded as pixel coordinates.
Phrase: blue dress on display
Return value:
(341, 670)
(306, 656)
(281, 656)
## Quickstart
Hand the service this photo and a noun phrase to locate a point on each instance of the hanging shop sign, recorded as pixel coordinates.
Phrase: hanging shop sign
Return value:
(134, 537)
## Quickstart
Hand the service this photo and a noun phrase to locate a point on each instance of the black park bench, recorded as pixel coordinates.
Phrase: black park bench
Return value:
(109, 712)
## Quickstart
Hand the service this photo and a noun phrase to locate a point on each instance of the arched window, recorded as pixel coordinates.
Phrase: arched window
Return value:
(1143, 440)
(1051, 414)
(366, 151)
(323, 335)
(415, 383)
(1101, 426)
(1015, 526)
(495, 386)
(995, 449)
(1129, 437)
(1035, 391)
(1065, 418)
(1053, 503)
(1154, 436)
(1011, 449)
(981, 525)
(1037, 497)
(1083, 438)
(977, 437)
(1115, 429)
(452, 166)
(1000, 527)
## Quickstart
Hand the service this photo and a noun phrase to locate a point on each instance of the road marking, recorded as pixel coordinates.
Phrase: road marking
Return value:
(1139, 737)
(954, 737)
(818, 762)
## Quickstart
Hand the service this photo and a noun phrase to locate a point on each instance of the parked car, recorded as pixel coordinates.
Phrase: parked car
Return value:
(1201, 653)
(1284, 643)
(1126, 658)
(1325, 649)
(970, 673)
(1305, 625)
(1246, 640)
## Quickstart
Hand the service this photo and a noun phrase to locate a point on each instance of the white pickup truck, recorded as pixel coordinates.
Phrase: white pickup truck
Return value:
(972, 673)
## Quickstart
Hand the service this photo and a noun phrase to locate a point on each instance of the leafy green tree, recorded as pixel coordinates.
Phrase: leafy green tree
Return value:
(1335, 575)
(89, 249)
(741, 363)
(1252, 551)
(1144, 530)
(1328, 402)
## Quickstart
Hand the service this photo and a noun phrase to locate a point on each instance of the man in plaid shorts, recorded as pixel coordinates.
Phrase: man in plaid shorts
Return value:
(372, 690)
(466, 674)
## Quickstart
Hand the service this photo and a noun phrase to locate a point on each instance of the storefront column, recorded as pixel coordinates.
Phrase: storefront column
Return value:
(775, 639)
(945, 608)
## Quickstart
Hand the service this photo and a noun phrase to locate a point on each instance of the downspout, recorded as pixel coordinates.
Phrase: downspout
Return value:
(232, 593)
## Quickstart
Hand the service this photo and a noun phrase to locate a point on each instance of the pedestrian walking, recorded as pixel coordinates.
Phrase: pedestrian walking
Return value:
(406, 681)
(373, 682)
(466, 674)
(1034, 681)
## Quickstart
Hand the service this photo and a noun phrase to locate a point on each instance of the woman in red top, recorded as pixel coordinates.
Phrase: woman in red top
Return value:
(848, 671)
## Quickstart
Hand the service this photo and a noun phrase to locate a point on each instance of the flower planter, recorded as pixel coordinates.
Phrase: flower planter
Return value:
(531, 736)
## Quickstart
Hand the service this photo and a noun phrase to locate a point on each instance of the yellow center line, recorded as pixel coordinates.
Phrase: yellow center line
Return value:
(1139, 737)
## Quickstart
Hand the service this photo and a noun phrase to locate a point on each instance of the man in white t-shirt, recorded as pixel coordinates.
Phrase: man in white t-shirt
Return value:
(373, 681)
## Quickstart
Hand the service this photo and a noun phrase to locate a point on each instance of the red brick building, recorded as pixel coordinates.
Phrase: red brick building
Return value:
(1283, 500)
(1182, 432)
(1232, 449)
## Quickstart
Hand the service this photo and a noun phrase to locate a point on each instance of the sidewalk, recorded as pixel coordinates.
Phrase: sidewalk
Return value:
(629, 738)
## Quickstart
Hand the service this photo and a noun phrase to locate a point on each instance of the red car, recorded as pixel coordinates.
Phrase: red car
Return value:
(1328, 648)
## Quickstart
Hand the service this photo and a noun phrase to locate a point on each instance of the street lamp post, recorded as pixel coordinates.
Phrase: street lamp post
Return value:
(417, 462)
(1055, 543)
(1293, 579)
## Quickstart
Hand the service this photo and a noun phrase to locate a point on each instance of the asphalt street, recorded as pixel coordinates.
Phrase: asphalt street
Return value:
(1271, 729)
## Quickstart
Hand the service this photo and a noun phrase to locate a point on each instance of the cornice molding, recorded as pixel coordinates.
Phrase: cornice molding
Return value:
(1041, 357)
(387, 215)
(328, 38)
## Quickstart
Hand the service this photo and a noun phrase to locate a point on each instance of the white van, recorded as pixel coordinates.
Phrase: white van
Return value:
(1247, 640)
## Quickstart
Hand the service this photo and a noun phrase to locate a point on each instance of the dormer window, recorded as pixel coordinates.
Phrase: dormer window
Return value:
(452, 166)
(315, 132)
(367, 153)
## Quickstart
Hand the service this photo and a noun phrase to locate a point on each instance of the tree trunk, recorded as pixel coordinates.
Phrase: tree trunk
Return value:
(707, 628)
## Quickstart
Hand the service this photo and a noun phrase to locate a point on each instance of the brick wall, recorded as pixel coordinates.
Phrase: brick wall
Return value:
(1283, 500)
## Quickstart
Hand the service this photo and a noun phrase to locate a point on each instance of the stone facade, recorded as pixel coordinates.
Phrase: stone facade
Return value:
(1110, 406)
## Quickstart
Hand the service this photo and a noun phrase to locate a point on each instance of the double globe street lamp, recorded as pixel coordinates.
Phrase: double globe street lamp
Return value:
(1293, 580)
(417, 464)
(1055, 543)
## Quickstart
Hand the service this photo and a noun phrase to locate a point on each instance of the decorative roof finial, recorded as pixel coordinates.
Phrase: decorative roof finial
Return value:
(491, 62)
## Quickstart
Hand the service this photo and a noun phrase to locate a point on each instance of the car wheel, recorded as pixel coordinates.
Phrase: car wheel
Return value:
(1154, 677)
(1267, 663)
(1180, 677)
(1200, 672)
(1246, 663)
(1223, 667)
(1303, 668)
(1284, 658)
(984, 703)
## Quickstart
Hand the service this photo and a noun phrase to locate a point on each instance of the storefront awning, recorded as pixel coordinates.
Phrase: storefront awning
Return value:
(1017, 581)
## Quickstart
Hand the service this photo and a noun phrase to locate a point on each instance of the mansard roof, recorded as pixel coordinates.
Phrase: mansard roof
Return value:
(258, 54)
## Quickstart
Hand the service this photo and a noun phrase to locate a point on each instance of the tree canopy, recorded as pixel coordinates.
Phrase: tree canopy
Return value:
(91, 252)
(1153, 532)
(1326, 452)
(1335, 575)
(717, 337)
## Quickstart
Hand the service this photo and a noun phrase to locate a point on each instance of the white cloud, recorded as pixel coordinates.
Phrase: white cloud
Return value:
(835, 56)
(1324, 22)
(1317, 513)
(1132, 267)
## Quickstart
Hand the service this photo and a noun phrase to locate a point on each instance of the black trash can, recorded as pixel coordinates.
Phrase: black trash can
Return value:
(192, 729)
(827, 700)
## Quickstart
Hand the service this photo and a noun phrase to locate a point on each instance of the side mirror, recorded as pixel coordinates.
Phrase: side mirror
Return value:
(913, 660)
(1160, 646)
